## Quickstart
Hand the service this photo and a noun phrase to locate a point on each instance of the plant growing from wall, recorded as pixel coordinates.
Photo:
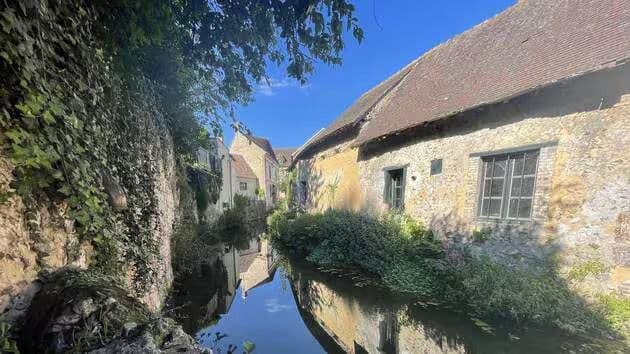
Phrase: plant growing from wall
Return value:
(206, 184)
(482, 235)
(583, 270)
(260, 193)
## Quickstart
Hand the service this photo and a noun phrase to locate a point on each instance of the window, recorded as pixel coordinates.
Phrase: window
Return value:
(303, 192)
(436, 167)
(507, 188)
(243, 186)
(394, 188)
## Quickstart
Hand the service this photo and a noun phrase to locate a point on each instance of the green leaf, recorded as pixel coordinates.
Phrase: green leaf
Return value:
(65, 189)
(48, 117)
(14, 135)
(249, 346)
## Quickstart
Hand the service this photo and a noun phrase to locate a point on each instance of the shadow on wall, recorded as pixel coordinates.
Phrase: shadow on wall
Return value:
(310, 189)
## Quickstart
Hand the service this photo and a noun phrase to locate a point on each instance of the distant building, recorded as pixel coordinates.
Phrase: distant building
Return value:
(517, 127)
(246, 181)
(260, 157)
(284, 157)
(217, 159)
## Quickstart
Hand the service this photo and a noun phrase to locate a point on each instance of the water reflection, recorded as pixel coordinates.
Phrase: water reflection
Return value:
(247, 294)
(257, 265)
(371, 320)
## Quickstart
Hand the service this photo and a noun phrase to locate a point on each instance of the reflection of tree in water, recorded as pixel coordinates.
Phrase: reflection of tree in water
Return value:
(236, 234)
(198, 300)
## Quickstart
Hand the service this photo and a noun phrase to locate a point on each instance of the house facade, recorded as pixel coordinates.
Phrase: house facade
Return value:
(259, 155)
(517, 129)
(246, 182)
(217, 159)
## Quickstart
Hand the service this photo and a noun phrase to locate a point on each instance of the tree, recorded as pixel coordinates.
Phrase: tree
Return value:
(206, 55)
(87, 88)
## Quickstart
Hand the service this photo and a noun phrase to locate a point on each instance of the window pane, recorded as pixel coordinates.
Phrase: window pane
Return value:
(484, 206)
(487, 165)
(524, 208)
(512, 210)
(518, 165)
(497, 187)
(530, 163)
(495, 207)
(528, 187)
(499, 166)
(486, 187)
(516, 187)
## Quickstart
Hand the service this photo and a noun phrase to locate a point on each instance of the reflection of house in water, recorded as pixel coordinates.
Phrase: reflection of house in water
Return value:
(357, 325)
(257, 264)
(348, 319)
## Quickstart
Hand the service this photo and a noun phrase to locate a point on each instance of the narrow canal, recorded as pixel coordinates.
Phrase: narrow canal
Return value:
(250, 296)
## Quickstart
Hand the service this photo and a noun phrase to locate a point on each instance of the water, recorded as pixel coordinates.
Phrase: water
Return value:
(250, 295)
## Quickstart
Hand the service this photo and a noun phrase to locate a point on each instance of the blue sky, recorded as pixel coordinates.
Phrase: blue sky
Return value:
(396, 32)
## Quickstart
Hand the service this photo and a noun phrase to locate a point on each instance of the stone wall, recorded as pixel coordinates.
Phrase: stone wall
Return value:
(169, 211)
(582, 193)
(23, 255)
(45, 239)
(332, 178)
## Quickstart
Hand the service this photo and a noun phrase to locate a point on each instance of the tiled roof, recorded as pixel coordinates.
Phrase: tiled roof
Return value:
(284, 156)
(360, 108)
(530, 45)
(264, 144)
(242, 168)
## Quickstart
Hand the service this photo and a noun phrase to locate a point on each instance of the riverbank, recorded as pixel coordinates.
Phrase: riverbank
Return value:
(405, 257)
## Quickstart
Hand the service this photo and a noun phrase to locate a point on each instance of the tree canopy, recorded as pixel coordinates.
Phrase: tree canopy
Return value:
(93, 92)
(207, 54)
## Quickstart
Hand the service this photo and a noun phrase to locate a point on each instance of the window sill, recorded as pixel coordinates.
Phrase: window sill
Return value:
(496, 221)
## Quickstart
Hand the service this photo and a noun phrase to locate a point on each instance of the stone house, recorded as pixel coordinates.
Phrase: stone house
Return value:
(259, 155)
(246, 181)
(517, 128)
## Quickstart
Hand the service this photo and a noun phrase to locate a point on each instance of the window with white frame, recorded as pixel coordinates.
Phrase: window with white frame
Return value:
(507, 186)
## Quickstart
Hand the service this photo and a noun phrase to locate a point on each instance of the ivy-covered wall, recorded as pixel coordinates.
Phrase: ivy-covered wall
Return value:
(87, 156)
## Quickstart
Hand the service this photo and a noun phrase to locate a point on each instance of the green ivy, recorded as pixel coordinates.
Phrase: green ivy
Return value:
(91, 92)
(69, 120)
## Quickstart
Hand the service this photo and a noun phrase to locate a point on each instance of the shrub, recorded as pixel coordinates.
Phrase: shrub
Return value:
(482, 235)
(407, 258)
(494, 291)
(616, 309)
(189, 250)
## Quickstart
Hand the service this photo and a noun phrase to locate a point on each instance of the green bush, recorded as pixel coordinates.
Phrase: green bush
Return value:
(407, 258)
(493, 291)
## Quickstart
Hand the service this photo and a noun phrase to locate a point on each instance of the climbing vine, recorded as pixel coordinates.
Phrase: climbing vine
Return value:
(68, 121)
(93, 94)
